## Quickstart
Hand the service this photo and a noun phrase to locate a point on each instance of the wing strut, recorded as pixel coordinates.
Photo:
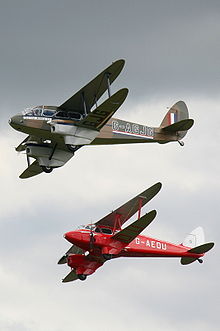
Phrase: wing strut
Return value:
(117, 223)
(84, 104)
(108, 84)
(140, 206)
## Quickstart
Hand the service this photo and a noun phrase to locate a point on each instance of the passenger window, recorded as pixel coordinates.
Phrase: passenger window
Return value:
(48, 112)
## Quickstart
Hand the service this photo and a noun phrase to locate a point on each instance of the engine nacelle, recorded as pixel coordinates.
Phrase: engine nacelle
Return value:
(43, 155)
(74, 135)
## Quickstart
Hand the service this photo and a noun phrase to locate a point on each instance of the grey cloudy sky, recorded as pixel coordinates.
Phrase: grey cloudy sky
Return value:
(49, 49)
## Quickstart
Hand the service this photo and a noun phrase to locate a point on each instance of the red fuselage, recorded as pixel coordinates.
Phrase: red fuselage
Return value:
(141, 246)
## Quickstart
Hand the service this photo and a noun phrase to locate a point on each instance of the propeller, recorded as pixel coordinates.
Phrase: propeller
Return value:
(28, 158)
(92, 238)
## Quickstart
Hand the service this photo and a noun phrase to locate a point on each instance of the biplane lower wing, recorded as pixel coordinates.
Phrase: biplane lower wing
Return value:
(73, 250)
(22, 147)
(129, 233)
(70, 277)
(100, 116)
(33, 170)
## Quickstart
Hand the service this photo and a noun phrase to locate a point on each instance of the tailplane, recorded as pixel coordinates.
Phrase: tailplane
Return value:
(196, 242)
(177, 120)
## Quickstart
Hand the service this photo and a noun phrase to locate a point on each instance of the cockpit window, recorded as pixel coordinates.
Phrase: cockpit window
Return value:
(46, 111)
(37, 112)
(106, 230)
(90, 227)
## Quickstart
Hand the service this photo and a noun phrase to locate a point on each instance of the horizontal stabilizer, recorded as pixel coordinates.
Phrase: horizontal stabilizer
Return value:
(196, 250)
(133, 230)
(202, 248)
(183, 125)
(33, 170)
(100, 116)
(187, 260)
(73, 250)
(70, 277)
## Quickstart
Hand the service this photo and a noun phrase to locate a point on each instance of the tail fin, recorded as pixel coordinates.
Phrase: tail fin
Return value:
(177, 119)
(196, 241)
(195, 238)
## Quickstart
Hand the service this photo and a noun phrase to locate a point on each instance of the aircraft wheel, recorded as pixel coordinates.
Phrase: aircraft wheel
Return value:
(72, 148)
(82, 277)
(107, 256)
(47, 169)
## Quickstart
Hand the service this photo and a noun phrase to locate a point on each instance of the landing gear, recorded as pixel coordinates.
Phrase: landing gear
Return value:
(200, 260)
(73, 148)
(82, 276)
(181, 143)
(107, 256)
(47, 169)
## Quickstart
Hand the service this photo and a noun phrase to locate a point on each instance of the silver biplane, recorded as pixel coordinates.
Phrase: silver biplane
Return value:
(55, 133)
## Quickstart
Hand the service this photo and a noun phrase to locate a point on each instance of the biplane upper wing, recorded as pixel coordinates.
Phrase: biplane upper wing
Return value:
(100, 116)
(124, 212)
(133, 230)
(87, 96)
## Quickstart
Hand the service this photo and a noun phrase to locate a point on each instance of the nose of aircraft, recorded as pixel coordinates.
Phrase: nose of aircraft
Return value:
(72, 236)
(16, 120)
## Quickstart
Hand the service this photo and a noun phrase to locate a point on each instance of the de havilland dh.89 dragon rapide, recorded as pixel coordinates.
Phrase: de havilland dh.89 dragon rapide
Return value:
(94, 244)
(56, 132)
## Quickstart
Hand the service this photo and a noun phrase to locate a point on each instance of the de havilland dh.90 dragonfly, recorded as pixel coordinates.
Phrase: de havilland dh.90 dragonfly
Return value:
(56, 132)
(94, 244)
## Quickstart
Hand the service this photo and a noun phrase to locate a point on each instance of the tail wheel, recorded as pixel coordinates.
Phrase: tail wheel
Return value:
(82, 276)
(47, 169)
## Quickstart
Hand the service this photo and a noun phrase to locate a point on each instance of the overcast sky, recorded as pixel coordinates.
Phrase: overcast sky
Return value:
(49, 50)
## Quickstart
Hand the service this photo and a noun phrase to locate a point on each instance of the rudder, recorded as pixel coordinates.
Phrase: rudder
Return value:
(177, 119)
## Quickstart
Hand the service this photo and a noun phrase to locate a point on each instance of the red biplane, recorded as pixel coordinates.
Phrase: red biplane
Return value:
(94, 244)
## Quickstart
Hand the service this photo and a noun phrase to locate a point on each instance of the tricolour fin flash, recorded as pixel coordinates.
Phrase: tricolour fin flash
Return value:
(177, 120)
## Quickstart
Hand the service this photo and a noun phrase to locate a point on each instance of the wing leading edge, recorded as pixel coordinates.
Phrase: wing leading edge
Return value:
(90, 93)
(128, 209)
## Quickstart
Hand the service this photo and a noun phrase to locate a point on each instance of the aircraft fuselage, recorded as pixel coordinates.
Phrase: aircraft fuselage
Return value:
(141, 246)
(115, 131)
